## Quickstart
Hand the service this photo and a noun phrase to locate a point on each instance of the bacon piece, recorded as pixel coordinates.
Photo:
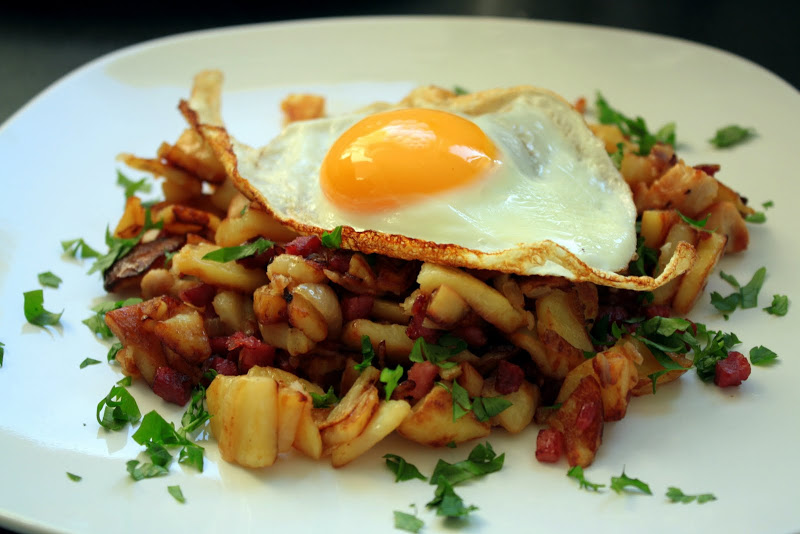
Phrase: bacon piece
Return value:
(422, 374)
(172, 386)
(549, 445)
(658, 310)
(415, 328)
(223, 366)
(509, 377)
(709, 168)
(356, 307)
(199, 296)
(339, 261)
(304, 245)
(731, 371)
(260, 261)
(474, 335)
(262, 355)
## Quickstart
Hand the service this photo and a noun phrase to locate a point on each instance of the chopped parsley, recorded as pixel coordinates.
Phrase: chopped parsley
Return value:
(176, 492)
(324, 401)
(461, 403)
(576, 472)
(623, 482)
(616, 157)
(485, 408)
(34, 310)
(48, 279)
(391, 377)
(367, 352)
(645, 261)
(482, 460)
(676, 495)
(147, 470)
(635, 129)
(119, 247)
(746, 297)
(756, 218)
(779, 306)
(120, 409)
(73, 477)
(407, 522)
(402, 469)
(113, 350)
(437, 353)
(731, 135)
(88, 361)
(195, 415)
(156, 434)
(78, 248)
(698, 224)
(447, 502)
(332, 239)
(458, 90)
(2, 352)
(132, 187)
(226, 254)
(761, 355)
(768, 204)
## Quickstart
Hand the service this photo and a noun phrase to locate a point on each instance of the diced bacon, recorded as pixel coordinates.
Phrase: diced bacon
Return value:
(509, 377)
(223, 366)
(303, 245)
(709, 168)
(263, 355)
(658, 310)
(549, 445)
(199, 296)
(587, 415)
(260, 261)
(474, 335)
(422, 374)
(339, 261)
(356, 307)
(239, 340)
(731, 371)
(172, 386)
(415, 328)
(219, 345)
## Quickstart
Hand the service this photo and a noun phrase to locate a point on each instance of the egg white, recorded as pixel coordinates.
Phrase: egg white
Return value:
(554, 182)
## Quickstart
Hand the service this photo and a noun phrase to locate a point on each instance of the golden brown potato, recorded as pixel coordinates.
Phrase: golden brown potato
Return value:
(649, 365)
(291, 406)
(296, 269)
(397, 343)
(431, 422)
(470, 379)
(189, 261)
(354, 422)
(524, 402)
(723, 217)
(679, 232)
(446, 307)
(235, 311)
(253, 222)
(387, 418)
(683, 188)
(709, 250)
(655, 226)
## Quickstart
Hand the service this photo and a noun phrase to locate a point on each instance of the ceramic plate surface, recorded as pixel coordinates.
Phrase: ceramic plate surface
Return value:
(59, 173)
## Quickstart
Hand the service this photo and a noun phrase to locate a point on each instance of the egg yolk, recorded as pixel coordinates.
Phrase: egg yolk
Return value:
(398, 157)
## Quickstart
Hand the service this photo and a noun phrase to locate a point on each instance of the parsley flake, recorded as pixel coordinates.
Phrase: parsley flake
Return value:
(324, 401)
(407, 522)
(332, 239)
(120, 409)
(485, 408)
(226, 254)
(458, 90)
(447, 502)
(97, 323)
(402, 469)
(731, 135)
(482, 460)
(2, 352)
(132, 187)
(746, 297)
(147, 470)
(88, 361)
(73, 477)
(676, 495)
(367, 352)
(438, 353)
(616, 157)
(391, 377)
(78, 248)
(623, 482)
(768, 204)
(635, 129)
(48, 279)
(176, 492)
(761, 355)
(576, 472)
(699, 224)
(34, 310)
(758, 217)
(112, 351)
(779, 306)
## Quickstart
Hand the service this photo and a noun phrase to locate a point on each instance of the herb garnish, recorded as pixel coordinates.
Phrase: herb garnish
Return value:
(2, 352)
(324, 401)
(438, 353)
(97, 324)
(761, 355)
(758, 217)
(332, 239)
(623, 482)
(176, 492)
(367, 352)
(676, 495)
(119, 247)
(88, 361)
(120, 409)
(698, 224)
(731, 135)
(391, 377)
(779, 306)
(132, 187)
(447, 502)
(746, 297)
(482, 460)
(35, 312)
(226, 254)
(407, 522)
(48, 279)
(402, 469)
(576, 472)
(635, 129)
(616, 157)
(78, 247)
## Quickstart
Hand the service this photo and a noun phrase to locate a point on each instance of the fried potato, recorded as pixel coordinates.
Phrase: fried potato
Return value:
(283, 336)
(431, 422)
(291, 407)
(397, 343)
(524, 402)
(235, 310)
(389, 416)
(354, 422)
(649, 365)
(709, 250)
(252, 222)
(655, 226)
(189, 261)
(679, 232)
(580, 420)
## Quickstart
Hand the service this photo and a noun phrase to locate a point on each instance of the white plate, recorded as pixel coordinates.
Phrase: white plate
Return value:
(58, 175)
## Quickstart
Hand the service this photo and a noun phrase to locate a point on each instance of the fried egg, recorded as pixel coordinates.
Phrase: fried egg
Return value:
(507, 179)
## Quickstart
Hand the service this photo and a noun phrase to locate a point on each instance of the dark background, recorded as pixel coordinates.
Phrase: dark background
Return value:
(40, 44)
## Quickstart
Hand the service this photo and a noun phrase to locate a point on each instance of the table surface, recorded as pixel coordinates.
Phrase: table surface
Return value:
(36, 48)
